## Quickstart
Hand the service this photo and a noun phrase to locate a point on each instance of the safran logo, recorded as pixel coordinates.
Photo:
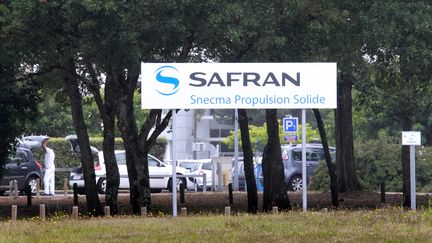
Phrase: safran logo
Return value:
(167, 82)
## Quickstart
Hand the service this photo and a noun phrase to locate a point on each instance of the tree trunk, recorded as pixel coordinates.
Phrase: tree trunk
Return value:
(107, 115)
(112, 172)
(275, 193)
(330, 166)
(71, 84)
(251, 186)
(405, 157)
(129, 133)
(345, 161)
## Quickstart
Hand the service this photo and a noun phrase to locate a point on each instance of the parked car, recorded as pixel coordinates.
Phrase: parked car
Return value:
(22, 166)
(292, 161)
(198, 167)
(242, 178)
(160, 174)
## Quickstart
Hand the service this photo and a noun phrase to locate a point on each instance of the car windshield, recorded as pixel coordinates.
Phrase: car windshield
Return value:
(191, 166)
(206, 166)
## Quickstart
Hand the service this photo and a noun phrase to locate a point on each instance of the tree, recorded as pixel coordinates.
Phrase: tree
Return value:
(248, 161)
(18, 95)
(273, 170)
(399, 48)
(51, 46)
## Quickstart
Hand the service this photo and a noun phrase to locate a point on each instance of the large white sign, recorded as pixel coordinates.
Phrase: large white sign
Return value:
(238, 85)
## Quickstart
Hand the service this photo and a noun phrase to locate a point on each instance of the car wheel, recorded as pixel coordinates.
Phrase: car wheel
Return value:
(101, 186)
(295, 183)
(179, 181)
(32, 182)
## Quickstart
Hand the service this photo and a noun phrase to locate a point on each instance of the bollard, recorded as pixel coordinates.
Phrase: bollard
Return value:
(37, 187)
(183, 211)
(275, 209)
(65, 186)
(14, 212)
(107, 211)
(29, 195)
(75, 194)
(42, 212)
(204, 183)
(75, 213)
(182, 193)
(227, 211)
(230, 193)
(220, 180)
(144, 211)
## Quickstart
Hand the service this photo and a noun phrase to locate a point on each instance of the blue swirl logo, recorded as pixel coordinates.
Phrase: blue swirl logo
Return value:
(167, 84)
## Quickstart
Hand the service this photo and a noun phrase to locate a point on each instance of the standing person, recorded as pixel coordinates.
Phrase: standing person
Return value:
(49, 169)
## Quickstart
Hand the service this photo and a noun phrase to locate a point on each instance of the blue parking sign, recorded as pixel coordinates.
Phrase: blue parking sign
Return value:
(290, 124)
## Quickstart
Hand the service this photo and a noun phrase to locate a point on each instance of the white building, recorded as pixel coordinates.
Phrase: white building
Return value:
(199, 134)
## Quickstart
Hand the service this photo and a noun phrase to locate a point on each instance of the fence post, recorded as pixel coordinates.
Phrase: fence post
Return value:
(15, 188)
(65, 186)
(230, 193)
(14, 213)
(37, 187)
(182, 193)
(183, 211)
(29, 195)
(75, 212)
(228, 211)
(75, 194)
(11, 185)
(144, 211)
(382, 190)
(107, 211)
(204, 182)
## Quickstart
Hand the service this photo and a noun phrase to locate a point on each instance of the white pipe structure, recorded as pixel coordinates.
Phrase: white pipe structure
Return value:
(304, 176)
(236, 151)
(174, 165)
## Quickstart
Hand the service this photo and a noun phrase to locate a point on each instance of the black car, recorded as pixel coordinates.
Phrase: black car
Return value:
(24, 168)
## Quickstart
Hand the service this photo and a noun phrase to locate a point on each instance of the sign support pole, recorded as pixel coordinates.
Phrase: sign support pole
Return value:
(304, 176)
(174, 165)
(412, 177)
(236, 151)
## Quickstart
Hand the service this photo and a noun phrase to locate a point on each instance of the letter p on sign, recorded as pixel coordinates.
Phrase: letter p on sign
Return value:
(290, 124)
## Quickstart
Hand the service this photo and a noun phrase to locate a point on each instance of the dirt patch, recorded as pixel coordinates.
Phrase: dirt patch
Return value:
(199, 202)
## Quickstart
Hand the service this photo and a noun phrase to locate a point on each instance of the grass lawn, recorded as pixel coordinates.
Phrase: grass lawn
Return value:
(380, 225)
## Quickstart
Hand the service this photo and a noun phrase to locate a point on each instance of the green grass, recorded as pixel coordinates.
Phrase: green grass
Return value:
(381, 225)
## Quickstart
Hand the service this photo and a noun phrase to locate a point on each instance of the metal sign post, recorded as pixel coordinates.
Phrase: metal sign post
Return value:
(304, 176)
(174, 166)
(412, 139)
(412, 178)
(236, 152)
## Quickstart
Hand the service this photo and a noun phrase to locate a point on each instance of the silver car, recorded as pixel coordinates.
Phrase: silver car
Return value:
(292, 161)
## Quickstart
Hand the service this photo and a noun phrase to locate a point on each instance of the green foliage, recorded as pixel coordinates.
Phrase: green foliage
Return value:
(378, 161)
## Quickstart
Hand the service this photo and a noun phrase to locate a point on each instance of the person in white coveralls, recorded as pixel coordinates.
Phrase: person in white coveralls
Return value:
(49, 176)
